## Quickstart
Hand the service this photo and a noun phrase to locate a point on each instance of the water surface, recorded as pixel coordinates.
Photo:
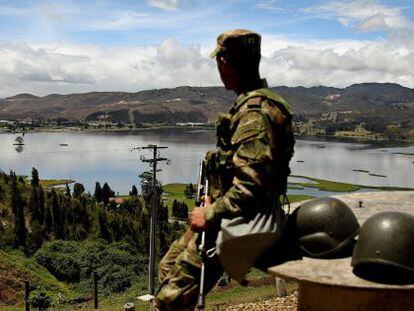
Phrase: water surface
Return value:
(107, 157)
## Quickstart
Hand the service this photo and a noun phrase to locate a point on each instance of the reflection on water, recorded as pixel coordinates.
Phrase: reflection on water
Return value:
(107, 157)
(19, 148)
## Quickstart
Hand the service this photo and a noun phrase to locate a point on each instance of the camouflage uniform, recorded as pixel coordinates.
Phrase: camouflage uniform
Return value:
(248, 171)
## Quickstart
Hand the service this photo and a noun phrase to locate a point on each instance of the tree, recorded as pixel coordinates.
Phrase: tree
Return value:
(146, 187)
(134, 191)
(175, 209)
(184, 210)
(34, 207)
(179, 210)
(68, 191)
(103, 226)
(41, 204)
(17, 204)
(57, 217)
(19, 140)
(106, 193)
(35, 178)
(78, 189)
(48, 223)
(190, 191)
(98, 192)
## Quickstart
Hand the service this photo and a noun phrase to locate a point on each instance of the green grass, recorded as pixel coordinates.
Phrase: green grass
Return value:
(18, 268)
(298, 197)
(294, 187)
(175, 192)
(326, 185)
(47, 183)
(334, 186)
(404, 153)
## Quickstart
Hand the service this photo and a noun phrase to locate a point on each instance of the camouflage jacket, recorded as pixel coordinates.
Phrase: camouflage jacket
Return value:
(250, 167)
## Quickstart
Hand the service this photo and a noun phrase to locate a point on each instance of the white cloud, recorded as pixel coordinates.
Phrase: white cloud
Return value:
(69, 68)
(364, 15)
(125, 21)
(51, 12)
(271, 5)
(168, 5)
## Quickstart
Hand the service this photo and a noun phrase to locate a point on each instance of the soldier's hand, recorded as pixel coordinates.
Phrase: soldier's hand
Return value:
(197, 219)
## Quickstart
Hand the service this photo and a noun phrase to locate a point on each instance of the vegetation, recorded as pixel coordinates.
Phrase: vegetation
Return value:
(326, 185)
(179, 210)
(68, 235)
(49, 183)
(334, 186)
(175, 192)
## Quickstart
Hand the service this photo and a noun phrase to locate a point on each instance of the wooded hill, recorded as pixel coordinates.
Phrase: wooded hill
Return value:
(65, 235)
(387, 101)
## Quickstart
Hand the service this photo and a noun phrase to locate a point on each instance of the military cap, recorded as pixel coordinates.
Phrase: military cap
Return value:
(240, 40)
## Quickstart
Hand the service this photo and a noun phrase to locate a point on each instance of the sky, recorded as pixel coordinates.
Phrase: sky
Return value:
(76, 46)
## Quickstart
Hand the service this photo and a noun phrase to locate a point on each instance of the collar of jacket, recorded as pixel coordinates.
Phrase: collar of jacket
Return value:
(241, 99)
(264, 92)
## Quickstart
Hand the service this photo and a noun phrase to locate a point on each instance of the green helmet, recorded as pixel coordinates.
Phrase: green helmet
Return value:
(325, 227)
(384, 251)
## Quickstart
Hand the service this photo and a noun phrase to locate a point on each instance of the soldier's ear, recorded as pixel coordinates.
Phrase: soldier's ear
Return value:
(221, 59)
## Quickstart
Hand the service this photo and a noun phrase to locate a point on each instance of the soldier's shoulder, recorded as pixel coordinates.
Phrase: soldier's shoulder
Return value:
(267, 103)
(254, 99)
(249, 124)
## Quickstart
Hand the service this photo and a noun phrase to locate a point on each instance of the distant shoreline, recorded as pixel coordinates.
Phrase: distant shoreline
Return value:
(319, 137)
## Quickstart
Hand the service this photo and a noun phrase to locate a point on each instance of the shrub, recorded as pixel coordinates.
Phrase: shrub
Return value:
(61, 259)
(40, 298)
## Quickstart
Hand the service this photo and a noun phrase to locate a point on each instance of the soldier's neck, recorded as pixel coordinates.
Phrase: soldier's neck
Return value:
(249, 85)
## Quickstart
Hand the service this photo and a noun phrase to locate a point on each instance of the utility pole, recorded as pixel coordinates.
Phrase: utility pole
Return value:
(153, 222)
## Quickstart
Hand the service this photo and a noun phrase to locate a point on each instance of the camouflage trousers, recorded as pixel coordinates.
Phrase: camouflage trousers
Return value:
(179, 275)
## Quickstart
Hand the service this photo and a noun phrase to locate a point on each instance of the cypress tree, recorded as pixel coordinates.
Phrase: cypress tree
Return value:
(184, 211)
(106, 193)
(78, 189)
(56, 215)
(48, 222)
(35, 178)
(175, 207)
(17, 204)
(68, 191)
(103, 226)
(34, 207)
(41, 204)
(98, 192)
(134, 191)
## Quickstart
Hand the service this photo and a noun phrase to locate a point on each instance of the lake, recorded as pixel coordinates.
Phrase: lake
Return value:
(107, 157)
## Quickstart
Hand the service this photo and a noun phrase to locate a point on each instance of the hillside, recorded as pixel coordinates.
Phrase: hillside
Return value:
(391, 102)
(16, 269)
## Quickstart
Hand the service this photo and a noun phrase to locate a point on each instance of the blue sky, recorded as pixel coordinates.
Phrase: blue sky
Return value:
(79, 46)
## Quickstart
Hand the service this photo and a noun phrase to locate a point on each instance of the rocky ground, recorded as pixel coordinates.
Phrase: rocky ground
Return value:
(288, 303)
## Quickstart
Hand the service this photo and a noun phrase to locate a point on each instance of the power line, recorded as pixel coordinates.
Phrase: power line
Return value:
(153, 222)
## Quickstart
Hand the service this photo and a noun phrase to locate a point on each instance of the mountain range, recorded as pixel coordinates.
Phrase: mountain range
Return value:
(391, 102)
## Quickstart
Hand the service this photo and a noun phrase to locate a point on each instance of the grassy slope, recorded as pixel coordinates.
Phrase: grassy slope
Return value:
(16, 268)
(175, 192)
(334, 186)
(47, 183)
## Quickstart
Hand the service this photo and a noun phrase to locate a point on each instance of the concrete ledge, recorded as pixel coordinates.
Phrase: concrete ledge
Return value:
(331, 285)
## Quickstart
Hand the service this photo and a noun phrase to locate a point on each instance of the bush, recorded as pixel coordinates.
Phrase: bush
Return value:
(116, 279)
(118, 264)
(61, 259)
(41, 298)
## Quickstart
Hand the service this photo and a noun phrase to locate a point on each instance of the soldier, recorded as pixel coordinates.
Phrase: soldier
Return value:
(248, 170)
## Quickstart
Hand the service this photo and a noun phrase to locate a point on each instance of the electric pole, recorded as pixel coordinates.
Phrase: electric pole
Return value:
(154, 207)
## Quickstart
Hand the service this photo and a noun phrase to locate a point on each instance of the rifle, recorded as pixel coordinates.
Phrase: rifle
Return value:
(202, 192)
